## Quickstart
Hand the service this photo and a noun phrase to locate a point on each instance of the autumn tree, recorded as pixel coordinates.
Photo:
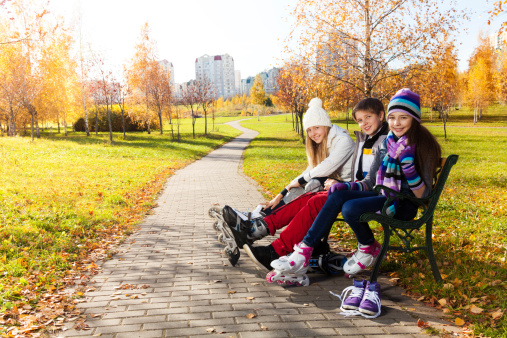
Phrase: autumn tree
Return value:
(122, 91)
(364, 42)
(138, 75)
(257, 92)
(159, 89)
(190, 100)
(293, 92)
(105, 91)
(480, 79)
(437, 82)
(205, 93)
(12, 71)
(497, 11)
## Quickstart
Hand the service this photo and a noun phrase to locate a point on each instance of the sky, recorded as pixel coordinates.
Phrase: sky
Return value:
(251, 31)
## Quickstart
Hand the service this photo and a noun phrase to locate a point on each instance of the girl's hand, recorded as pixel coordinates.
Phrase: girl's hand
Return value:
(274, 202)
(337, 186)
(293, 185)
(329, 182)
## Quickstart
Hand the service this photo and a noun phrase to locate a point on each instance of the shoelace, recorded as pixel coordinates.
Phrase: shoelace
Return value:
(372, 296)
(356, 292)
(353, 291)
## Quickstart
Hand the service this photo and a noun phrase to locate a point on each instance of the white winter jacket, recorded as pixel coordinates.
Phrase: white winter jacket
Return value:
(339, 161)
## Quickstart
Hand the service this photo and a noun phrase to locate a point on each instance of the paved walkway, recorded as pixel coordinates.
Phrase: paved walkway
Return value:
(180, 285)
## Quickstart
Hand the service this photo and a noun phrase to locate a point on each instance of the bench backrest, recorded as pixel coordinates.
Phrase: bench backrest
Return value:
(442, 173)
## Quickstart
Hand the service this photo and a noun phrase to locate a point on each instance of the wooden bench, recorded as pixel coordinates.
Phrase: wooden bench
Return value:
(404, 229)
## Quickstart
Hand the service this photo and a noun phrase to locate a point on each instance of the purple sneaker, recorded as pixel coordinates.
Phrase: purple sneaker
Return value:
(356, 291)
(370, 305)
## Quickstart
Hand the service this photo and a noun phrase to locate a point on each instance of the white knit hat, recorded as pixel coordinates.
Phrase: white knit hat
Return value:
(316, 115)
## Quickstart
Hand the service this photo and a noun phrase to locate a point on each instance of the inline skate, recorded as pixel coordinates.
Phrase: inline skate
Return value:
(225, 236)
(291, 269)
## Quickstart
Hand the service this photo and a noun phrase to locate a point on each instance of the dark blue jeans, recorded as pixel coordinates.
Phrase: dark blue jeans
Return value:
(352, 204)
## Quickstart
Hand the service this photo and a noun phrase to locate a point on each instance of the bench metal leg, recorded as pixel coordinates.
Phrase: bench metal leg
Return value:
(382, 254)
(431, 254)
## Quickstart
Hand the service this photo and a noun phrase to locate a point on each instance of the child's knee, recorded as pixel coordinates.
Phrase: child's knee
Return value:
(350, 213)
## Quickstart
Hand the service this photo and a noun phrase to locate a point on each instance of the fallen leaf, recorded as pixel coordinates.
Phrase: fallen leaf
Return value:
(255, 283)
(448, 286)
(497, 314)
(476, 310)
(264, 328)
(422, 324)
(442, 302)
(251, 315)
(211, 329)
(420, 299)
(232, 292)
(459, 322)
(250, 298)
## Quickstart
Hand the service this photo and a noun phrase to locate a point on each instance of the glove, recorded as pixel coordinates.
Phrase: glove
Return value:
(337, 186)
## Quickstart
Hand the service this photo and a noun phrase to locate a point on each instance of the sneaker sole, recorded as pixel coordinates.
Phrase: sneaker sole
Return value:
(368, 312)
(349, 307)
(252, 257)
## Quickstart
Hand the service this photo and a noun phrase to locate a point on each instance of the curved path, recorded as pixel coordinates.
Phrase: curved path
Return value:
(182, 286)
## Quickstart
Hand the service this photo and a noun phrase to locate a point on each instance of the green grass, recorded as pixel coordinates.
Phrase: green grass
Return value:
(61, 197)
(470, 225)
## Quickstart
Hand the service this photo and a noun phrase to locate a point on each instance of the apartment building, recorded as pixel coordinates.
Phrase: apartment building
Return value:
(168, 66)
(268, 78)
(337, 55)
(219, 69)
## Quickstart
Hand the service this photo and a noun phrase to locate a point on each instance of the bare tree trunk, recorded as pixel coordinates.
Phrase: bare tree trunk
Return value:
(205, 122)
(109, 122)
(65, 124)
(160, 120)
(147, 115)
(123, 123)
(301, 126)
(87, 129)
(97, 121)
(12, 128)
(33, 118)
(193, 125)
(367, 56)
(37, 126)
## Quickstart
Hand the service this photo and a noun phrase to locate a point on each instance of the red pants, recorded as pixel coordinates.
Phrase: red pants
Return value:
(298, 216)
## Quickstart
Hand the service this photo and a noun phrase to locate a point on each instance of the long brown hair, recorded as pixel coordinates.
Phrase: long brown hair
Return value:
(427, 150)
(317, 153)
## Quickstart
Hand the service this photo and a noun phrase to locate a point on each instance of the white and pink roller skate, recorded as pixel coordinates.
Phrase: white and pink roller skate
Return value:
(364, 257)
(291, 269)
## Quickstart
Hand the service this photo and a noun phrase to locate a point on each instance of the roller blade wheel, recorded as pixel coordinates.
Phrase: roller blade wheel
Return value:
(216, 226)
(220, 239)
(213, 211)
(269, 277)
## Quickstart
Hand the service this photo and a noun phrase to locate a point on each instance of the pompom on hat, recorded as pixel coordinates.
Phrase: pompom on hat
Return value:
(405, 101)
(316, 115)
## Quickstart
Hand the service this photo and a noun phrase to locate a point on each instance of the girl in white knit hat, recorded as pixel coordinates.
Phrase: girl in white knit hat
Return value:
(329, 150)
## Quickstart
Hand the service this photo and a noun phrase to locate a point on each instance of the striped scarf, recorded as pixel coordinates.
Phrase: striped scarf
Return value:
(398, 161)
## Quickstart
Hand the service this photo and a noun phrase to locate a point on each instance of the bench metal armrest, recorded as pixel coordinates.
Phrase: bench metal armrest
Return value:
(393, 194)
